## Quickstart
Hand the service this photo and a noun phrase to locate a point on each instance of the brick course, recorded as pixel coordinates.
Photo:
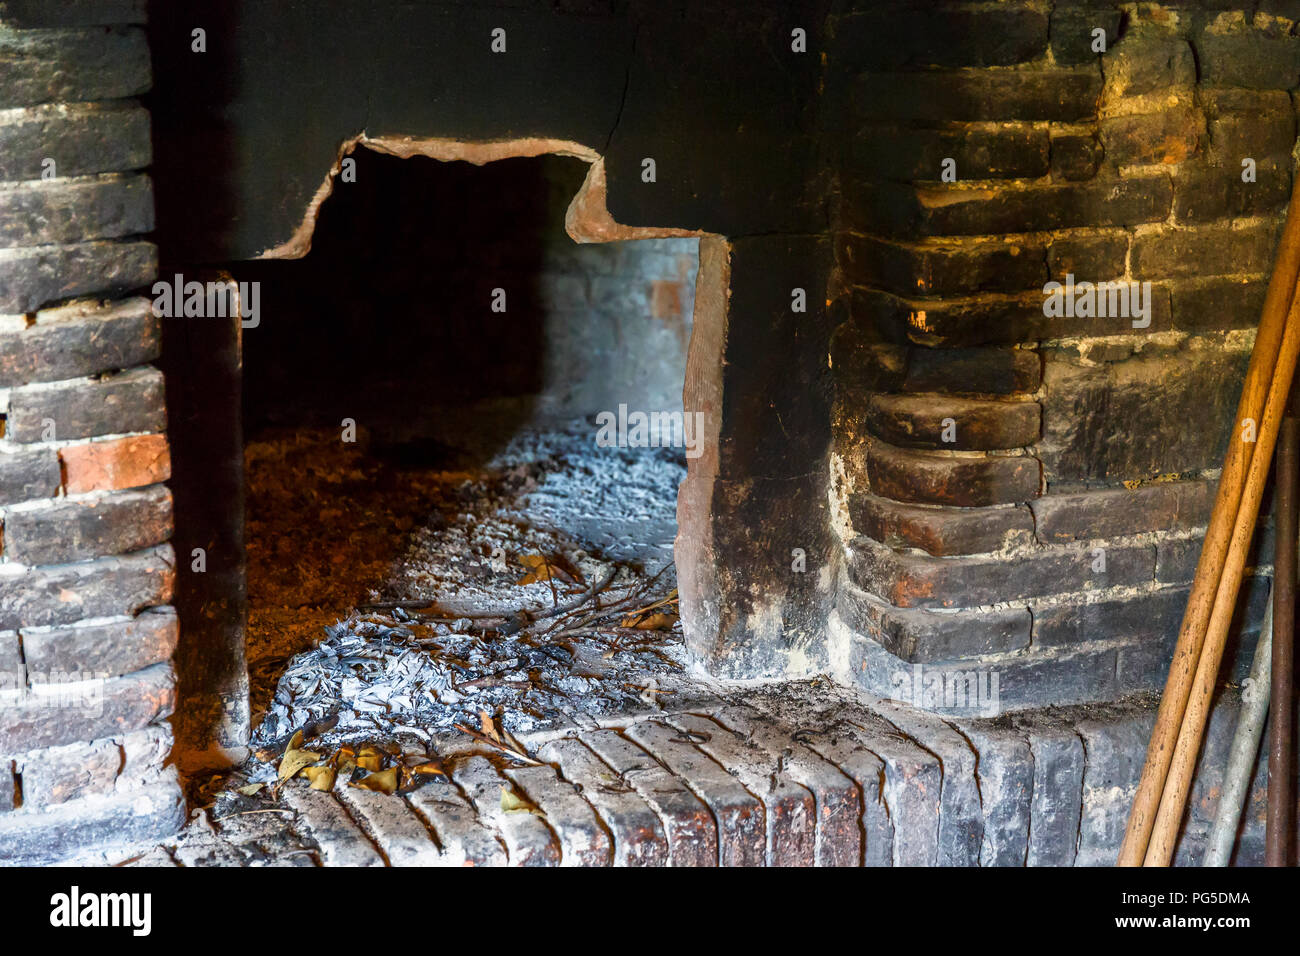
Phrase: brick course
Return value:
(50, 717)
(105, 587)
(78, 340)
(935, 477)
(74, 65)
(109, 650)
(97, 207)
(79, 529)
(81, 139)
(130, 401)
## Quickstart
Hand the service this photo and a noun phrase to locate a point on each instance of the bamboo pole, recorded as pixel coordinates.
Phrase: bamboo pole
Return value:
(1188, 743)
(1209, 568)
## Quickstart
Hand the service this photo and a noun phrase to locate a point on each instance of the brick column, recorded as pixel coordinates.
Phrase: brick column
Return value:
(1023, 490)
(86, 638)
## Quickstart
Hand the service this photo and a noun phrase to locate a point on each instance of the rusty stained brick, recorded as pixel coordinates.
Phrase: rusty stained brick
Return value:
(130, 462)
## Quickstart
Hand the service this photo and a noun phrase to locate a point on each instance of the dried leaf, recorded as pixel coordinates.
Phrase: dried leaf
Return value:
(385, 781)
(423, 764)
(295, 760)
(651, 622)
(370, 759)
(539, 569)
(566, 569)
(345, 760)
(250, 789)
(322, 778)
(511, 802)
(489, 727)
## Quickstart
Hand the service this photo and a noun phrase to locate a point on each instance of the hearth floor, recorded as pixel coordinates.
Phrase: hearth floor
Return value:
(802, 773)
(401, 588)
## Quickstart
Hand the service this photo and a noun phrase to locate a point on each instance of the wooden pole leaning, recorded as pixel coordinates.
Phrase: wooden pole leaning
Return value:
(1183, 763)
(1209, 569)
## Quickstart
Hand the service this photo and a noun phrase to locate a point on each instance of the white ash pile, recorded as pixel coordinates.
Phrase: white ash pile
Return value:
(546, 492)
(614, 648)
(547, 593)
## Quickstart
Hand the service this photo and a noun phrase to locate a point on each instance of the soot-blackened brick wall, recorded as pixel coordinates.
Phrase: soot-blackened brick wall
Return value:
(1015, 488)
(86, 637)
(1024, 488)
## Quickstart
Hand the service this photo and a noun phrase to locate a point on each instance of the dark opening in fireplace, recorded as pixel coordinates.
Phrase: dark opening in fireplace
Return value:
(447, 397)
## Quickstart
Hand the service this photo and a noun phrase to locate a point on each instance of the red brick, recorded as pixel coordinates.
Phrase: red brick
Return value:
(122, 463)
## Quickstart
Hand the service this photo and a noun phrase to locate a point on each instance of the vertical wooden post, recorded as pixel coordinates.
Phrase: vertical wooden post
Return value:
(202, 364)
(1281, 763)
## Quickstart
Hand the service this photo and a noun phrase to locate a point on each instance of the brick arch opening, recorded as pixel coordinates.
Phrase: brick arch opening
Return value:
(586, 220)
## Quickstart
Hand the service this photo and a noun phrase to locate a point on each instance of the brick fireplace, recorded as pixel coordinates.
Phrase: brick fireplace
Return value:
(977, 285)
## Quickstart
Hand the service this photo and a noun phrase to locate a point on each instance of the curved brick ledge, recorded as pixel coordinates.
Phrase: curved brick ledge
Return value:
(794, 774)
